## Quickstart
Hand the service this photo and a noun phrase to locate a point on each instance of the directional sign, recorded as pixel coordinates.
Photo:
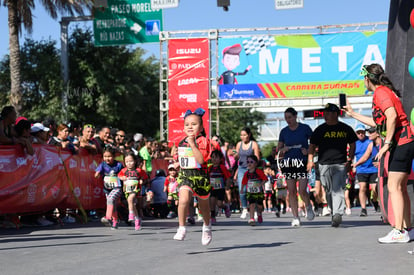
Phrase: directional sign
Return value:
(127, 22)
(164, 4)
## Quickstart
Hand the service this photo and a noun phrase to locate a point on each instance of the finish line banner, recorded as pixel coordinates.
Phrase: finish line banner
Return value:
(287, 66)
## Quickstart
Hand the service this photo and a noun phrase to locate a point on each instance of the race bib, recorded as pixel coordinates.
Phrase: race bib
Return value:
(254, 186)
(131, 186)
(268, 186)
(172, 187)
(187, 159)
(217, 183)
(111, 182)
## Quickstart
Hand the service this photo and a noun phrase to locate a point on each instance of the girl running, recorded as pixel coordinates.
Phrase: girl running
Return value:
(109, 170)
(252, 183)
(220, 179)
(193, 152)
(132, 178)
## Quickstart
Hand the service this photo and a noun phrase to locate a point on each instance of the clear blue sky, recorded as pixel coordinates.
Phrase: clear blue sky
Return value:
(204, 14)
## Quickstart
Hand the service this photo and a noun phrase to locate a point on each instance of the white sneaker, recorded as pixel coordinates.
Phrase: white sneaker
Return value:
(199, 217)
(244, 214)
(348, 211)
(295, 222)
(255, 215)
(180, 235)
(395, 236)
(326, 212)
(207, 235)
(310, 215)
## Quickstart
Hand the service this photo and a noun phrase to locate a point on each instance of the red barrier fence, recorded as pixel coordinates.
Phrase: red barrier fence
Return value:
(50, 178)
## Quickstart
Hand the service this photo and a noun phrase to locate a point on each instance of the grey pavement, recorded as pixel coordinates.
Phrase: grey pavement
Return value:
(237, 248)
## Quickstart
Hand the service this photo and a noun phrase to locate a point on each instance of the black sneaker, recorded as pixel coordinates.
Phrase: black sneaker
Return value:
(336, 220)
(363, 213)
(191, 220)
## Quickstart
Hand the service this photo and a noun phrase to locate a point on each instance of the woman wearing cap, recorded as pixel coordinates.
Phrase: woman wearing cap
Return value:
(39, 133)
(389, 117)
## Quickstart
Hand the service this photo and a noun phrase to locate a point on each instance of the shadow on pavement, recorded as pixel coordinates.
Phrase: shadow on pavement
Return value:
(227, 248)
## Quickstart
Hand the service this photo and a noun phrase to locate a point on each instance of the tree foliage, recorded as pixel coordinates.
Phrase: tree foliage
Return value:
(231, 121)
(113, 86)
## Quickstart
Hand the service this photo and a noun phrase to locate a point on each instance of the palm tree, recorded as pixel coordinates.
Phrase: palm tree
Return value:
(20, 14)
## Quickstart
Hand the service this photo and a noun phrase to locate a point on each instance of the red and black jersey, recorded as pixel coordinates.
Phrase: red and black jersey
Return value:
(383, 99)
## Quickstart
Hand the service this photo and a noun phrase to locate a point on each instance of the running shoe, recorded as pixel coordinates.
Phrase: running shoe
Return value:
(336, 220)
(180, 235)
(68, 219)
(227, 212)
(244, 214)
(105, 221)
(171, 215)
(260, 219)
(207, 235)
(395, 236)
(213, 220)
(277, 214)
(363, 212)
(199, 217)
(114, 225)
(348, 211)
(310, 215)
(251, 222)
(137, 224)
(295, 222)
(326, 211)
(131, 217)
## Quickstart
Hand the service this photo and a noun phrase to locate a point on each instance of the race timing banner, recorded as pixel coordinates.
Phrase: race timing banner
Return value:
(287, 66)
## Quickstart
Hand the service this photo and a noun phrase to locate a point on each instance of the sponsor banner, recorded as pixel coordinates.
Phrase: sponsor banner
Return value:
(41, 182)
(188, 83)
(289, 66)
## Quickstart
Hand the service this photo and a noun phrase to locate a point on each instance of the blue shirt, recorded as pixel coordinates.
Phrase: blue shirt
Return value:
(107, 170)
(297, 138)
(360, 148)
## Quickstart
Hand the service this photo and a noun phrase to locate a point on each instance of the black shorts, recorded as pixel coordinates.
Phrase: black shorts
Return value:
(401, 158)
(367, 177)
(255, 198)
(218, 193)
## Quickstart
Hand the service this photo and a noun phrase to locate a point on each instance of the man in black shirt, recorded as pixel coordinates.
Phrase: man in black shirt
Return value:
(333, 138)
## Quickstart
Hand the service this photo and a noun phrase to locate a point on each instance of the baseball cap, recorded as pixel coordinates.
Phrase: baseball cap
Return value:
(234, 49)
(37, 127)
(359, 127)
(330, 107)
(171, 166)
(20, 118)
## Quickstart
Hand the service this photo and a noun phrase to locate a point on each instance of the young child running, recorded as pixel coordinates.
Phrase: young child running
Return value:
(193, 152)
(268, 189)
(220, 178)
(133, 180)
(171, 188)
(109, 170)
(253, 182)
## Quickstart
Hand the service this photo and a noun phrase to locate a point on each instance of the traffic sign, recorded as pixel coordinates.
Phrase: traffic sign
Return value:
(164, 4)
(288, 4)
(127, 22)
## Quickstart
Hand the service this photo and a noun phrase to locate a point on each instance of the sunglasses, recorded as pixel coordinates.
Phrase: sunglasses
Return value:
(250, 161)
(120, 136)
(364, 72)
(88, 126)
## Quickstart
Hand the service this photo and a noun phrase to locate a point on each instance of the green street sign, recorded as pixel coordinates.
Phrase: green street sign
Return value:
(126, 22)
